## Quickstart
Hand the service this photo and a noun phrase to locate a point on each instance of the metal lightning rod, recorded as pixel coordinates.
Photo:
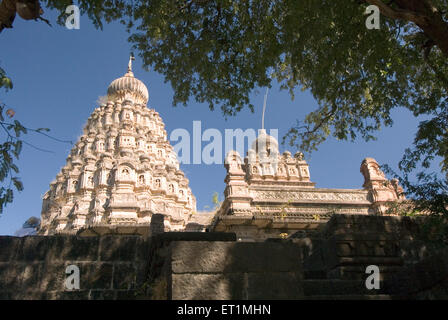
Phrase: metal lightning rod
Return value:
(264, 107)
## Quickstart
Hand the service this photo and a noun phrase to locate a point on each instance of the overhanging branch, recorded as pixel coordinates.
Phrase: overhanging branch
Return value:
(400, 14)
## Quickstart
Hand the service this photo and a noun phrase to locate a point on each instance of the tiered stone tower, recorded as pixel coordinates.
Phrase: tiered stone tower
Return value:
(121, 171)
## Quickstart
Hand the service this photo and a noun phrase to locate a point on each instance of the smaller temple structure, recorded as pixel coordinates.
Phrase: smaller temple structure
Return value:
(270, 195)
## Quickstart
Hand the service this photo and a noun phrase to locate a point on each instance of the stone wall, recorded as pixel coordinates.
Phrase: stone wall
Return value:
(426, 279)
(235, 270)
(348, 244)
(325, 264)
(34, 267)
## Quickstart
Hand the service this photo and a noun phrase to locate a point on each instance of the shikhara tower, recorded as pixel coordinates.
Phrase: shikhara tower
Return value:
(121, 171)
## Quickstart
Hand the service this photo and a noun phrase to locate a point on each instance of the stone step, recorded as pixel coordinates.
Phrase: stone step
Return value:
(330, 287)
(359, 272)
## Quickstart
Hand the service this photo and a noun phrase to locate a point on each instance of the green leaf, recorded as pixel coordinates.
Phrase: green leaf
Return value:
(17, 183)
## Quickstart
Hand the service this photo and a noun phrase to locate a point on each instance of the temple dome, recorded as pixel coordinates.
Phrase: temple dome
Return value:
(265, 142)
(128, 87)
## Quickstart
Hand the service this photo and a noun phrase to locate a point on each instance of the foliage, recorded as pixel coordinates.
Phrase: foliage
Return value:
(215, 199)
(9, 151)
(218, 52)
(429, 196)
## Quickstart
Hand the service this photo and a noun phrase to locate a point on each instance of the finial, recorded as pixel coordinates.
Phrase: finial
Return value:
(131, 57)
(264, 108)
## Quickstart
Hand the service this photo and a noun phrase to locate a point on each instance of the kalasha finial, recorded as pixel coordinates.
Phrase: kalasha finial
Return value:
(131, 57)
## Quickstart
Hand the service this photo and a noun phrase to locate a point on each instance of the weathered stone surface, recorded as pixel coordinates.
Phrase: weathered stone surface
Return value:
(428, 273)
(8, 248)
(114, 248)
(10, 276)
(157, 226)
(132, 267)
(358, 272)
(53, 276)
(73, 248)
(125, 294)
(102, 295)
(57, 248)
(208, 257)
(194, 236)
(274, 285)
(338, 287)
(125, 275)
(34, 248)
(207, 286)
(72, 295)
(390, 226)
(96, 275)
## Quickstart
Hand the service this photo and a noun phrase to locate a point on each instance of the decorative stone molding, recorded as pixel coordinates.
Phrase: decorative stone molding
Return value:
(381, 190)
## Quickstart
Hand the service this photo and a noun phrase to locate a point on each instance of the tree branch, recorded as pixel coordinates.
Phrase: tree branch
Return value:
(400, 14)
(421, 12)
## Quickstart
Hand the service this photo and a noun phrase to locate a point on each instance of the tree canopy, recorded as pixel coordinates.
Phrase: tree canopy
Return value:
(219, 51)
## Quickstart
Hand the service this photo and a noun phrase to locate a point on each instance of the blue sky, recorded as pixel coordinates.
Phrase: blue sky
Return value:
(59, 74)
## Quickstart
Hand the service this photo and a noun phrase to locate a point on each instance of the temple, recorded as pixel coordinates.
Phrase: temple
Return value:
(270, 195)
(123, 171)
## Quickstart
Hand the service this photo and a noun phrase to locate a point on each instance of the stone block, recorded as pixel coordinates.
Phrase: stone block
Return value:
(274, 285)
(194, 236)
(339, 287)
(126, 295)
(72, 295)
(125, 275)
(143, 246)
(102, 295)
(358, 272)
(11, 276)
(34, 248)
(212, 257)
(413, 251)
(53, 276)
(8, 248)
(157, 224)
(31, 275)
(118, 248)
(96, 275)
(57, 248)
(65, 248)
(207, 286)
